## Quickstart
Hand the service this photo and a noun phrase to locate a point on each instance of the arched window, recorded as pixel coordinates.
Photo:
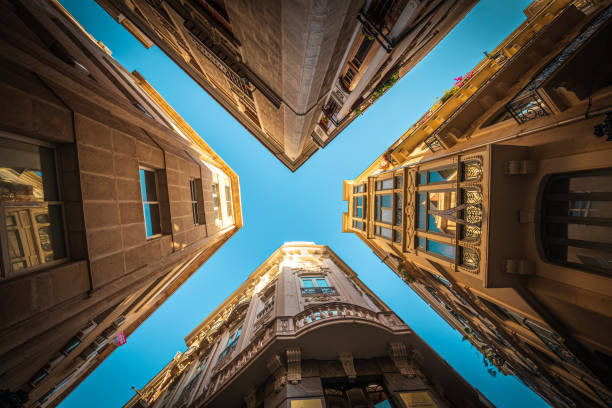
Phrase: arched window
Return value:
(576, 220)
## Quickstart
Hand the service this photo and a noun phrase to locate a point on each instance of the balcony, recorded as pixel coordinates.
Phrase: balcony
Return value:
(291, 327)
(319, 291)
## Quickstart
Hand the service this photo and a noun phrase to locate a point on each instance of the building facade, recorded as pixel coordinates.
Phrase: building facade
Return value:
(294, 74)
(304, 331)
(496, 205)
(109, 202)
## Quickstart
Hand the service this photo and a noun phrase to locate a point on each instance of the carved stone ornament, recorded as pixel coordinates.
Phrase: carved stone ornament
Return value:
(250, 399)
(294, 365)
(277, 369)
(347, 363)
(399, 356)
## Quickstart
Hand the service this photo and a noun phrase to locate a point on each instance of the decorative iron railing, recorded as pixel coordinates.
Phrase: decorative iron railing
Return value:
(319, 291)
(293, 325)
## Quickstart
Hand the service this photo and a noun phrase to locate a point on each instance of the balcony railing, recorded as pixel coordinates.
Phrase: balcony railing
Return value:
(291, 326)
(319, 291)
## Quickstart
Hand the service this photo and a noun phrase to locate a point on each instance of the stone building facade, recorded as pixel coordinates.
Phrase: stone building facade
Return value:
(304, 331)
(496, 205)
(293, 73)
(109, 202)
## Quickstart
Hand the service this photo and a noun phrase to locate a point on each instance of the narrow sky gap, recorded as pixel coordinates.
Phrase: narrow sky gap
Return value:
(281, 206)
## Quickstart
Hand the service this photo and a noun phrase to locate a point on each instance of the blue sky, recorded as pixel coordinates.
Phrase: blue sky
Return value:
(279, 206)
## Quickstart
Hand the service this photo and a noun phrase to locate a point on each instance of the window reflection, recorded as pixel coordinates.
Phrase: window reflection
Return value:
(440, 201)
(30, 203)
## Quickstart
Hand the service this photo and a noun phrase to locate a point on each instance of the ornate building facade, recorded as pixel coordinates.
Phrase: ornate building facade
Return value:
(109, 202)
(496, 208)
(304, 331)
(294, 74)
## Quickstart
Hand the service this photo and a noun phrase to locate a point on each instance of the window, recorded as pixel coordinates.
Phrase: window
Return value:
(576, 221)
(31, 207)
(230, 346)
(316, 285)
(215, 197)
(358, 206)
(195, 199)
(362, 52)
(148, 188)
(383, 232)
(386, 184)
(228, 201)
(383, 209)
(444, 174)
(360, 201)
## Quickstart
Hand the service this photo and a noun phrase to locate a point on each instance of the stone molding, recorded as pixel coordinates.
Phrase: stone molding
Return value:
(399, 356)
(346, 359)
(294, 365)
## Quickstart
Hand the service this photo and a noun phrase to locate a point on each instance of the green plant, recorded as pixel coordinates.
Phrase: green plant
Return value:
(403, 271)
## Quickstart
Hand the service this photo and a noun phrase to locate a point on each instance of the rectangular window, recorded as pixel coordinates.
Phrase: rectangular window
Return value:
(31, 206)
(444, 174)
(422, 210)
(421, 242)
(397, 236)
(398, 209)
(422, 177)
(362, 52)
(383, 207)
(441, 249)
(228, 201)
(383, 232)
(358, 225)
(438, 222)
(148, 188)
(386, 184)
(359, 189)
(398, 181)
(358, 207)
(193, 188)
(215, 198)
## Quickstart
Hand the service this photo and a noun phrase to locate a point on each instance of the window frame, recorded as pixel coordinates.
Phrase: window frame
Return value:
(545, 219)
(6, 270)
(216, 200)
(359, 191)
(397, 192)
(228, 201)
(144, 203)
(193, 190)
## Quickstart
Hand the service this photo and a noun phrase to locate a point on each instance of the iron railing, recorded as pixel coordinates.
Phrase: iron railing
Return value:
(319, 291)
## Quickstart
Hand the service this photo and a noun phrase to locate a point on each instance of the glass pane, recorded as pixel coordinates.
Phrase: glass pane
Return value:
(358, 225)
(445, 250)
(147, 185)
(448, 173)
(27, 172)
(322, 283)
(387, 216)
(152, 224)
(423, 177)
(228, 201)
(35, 235)
(307, 283)
(397, 236)
(194, 211)
(383, 232)
(386, 184)
(192, 188)
(422, 210)
(591, 184)
(398, 181)
(590, 257)
(440, 201)
(421, 242)
(398, 209)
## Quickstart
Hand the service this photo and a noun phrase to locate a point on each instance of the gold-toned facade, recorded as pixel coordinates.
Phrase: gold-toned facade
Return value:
(294, 74)
(109, 201)
(495, 206)
(304, 331)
